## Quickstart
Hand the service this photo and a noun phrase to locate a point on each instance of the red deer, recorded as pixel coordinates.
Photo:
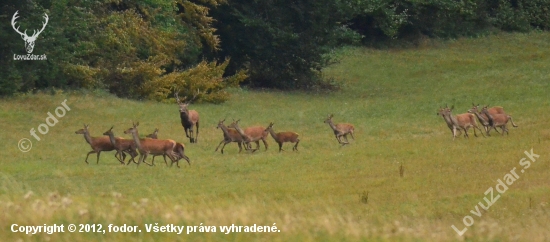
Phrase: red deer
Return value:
(152, 146)
(98, 144)
(178, 150)
(341, 130)
(283, 137)
(498, 120)
(251, 134)
(122, 145)
(229, 135)
(189, 118)
(449, 122)
(153, 135)
(461, 121)
(483, 119)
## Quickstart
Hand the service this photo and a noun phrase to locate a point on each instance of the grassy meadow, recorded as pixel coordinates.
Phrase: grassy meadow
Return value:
(323, 192)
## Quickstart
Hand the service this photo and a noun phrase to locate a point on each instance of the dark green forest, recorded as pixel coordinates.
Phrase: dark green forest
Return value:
(151, 49)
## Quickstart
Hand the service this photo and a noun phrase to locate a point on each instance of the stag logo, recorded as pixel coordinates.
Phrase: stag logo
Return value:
(29, 41)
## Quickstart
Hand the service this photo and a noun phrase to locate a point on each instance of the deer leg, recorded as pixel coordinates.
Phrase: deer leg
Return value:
(186, 134)
(351, 133)
(454, 132)
(164, 156)
(479, 130)
(504, 129)
(346, 138)
(118, 157)
(91, 152)
(240, 146)
(225, 143)
(219, 145)
(265, 143)
(171, 156)
(280, 146)
(99, 152)
(187, 159)
(296, 145)
(197, 137)
(191, 139)
(132, 155)
(145, 160)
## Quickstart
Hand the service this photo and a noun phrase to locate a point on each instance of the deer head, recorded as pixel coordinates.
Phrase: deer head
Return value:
(29, 41)
(184, 105)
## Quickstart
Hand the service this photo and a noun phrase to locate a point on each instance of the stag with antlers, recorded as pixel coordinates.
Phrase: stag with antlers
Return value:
(189, 118)
(29, 41)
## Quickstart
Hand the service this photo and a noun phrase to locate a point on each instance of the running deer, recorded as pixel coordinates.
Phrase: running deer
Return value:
(152, 146)
(283, 137)
(178, 150)
(98, 144)
(463, 121)
(229, 135)
(189, 118)
(251, 134)
(122, 145)
(153, 135)
(498, 120)
(448, 121)
(341, 130)
(483, 119)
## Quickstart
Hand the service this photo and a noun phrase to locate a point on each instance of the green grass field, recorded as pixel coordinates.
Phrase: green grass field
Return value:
(322, 192)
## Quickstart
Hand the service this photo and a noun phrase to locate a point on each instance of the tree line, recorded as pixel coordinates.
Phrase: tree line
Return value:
(154, 48)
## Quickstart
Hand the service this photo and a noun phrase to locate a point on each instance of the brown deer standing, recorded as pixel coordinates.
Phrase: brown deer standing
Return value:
(341, 129)
(251, 134)
(283, 137)
(461, 121)
(98, 144)
(498, 120)
(229, 135)
(152, 146)
(122, 145)
(189, 118)
(178, 150)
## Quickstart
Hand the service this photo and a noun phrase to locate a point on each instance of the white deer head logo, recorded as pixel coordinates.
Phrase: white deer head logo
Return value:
(29, 41)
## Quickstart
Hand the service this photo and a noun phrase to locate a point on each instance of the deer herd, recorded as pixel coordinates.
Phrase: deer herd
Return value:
(490, 118)
(151, 145)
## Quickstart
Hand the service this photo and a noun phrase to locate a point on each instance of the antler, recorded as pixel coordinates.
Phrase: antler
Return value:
(13, 24)
(34, 33)
(177, 97)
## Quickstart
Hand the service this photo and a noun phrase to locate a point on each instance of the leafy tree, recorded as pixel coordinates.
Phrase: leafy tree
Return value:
(284, 44)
